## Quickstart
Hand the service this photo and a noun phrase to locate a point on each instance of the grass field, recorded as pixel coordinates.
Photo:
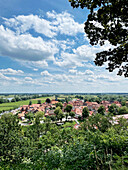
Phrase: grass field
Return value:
(13, 105)
(69, 124)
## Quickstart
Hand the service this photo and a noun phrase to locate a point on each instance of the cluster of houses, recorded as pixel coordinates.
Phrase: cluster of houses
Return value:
(77, 107)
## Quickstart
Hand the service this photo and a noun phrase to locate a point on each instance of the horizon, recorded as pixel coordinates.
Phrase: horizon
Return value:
(70, 93)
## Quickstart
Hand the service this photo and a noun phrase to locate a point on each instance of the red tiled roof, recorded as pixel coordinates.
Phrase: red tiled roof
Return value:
(35, 105)
(91, 112)
(76, 126)
(54, 102)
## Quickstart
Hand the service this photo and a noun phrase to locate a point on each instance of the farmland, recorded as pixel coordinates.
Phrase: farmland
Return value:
(13, 105)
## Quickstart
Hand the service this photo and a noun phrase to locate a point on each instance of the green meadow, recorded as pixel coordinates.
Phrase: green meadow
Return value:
(14, 105)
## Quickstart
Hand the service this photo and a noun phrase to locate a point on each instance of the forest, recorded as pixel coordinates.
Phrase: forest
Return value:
(97, 144)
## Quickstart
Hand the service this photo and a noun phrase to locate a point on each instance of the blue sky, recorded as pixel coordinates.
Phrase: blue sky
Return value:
(44, 49)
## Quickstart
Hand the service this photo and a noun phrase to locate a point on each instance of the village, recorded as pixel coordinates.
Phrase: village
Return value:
(77, 106)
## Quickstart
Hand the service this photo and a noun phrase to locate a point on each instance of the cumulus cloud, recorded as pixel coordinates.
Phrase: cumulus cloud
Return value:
(25, 46)
(24, 23)
(11, 71)
(73, 71)
(68, 60)
(45, 73)
(3, 77)
(81, 55)
(39, 63)
(35, 69)
(89, 72)
(65, 23)
(108, 78)
(22, 45)
(28, 79)
(86, 72)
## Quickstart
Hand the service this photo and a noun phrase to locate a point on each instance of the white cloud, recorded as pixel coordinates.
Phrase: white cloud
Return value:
(81, 55)
(45, 73)
(89, 72)
(24, 23)
(65, 23)
(41, 64)
(73, 71)
(69, 60)
(35, 69)
(3, 77)
(62, 23)
(11, 71)
(108, 78)
(28, 78)
(25, 47)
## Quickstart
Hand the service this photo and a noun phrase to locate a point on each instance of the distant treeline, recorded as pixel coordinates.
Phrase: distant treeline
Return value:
(122, 98)
(21, 97)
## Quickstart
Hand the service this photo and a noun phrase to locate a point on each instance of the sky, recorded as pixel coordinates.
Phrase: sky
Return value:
(44, 49)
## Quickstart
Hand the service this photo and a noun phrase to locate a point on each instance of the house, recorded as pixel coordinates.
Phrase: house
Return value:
(35, 106)
(49, 112)
(21, 115)
(90, 113)
(76, 126)
(24, 108)
(54, 102)
(115, 118)
(78, 112)
(78, 102)
(92, 106)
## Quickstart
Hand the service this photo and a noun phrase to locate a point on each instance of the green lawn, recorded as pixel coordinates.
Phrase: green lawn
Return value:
(13, 105)
(69, 124)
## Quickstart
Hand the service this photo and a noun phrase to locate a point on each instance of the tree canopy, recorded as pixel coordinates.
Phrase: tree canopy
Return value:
(59, 104)
(108, 21)
(101, 110)
(68, 108)
(48, 100)
(85, 112)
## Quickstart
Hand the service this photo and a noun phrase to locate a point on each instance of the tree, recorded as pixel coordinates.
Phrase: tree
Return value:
(108, 21)
(29, 116)
(123, 110)
(85, 112)
(39, 102)
(38, 117)
(11, 138)
(17, 98)
(68, 108)
(97, 121)
(101, 110)
(59, 104)
(13, 100)
(30, 102)
(113, 109)
(66, 115)
(72, 114)
(123, 103)
(57, 110)
(79, 117)
(59, 113)
(53, 117)
(48, 100)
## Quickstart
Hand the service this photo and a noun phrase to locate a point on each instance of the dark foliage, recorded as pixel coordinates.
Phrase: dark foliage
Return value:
(112, 16)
